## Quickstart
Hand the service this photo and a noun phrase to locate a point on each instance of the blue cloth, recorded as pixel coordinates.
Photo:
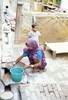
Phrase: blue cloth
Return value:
(38, 53)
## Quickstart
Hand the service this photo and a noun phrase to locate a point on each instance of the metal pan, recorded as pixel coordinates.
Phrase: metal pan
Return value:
(9, 65)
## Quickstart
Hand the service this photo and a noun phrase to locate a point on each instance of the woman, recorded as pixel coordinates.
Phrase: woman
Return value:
(35, 54)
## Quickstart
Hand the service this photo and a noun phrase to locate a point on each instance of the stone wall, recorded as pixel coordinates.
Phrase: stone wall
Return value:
(53, 27)
(1, 17)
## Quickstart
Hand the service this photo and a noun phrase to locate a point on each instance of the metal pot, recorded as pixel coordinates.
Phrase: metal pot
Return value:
(9, 65)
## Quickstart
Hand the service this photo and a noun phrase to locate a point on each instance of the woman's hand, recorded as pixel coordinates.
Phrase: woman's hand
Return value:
(14, 63)
(27, 66)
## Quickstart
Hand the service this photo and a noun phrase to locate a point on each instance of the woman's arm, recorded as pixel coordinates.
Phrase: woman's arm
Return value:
(37, 64)
(33, 65)
(18, 59)
(37, 59)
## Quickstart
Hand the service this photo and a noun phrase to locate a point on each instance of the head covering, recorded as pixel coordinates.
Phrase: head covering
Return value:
(32, 43)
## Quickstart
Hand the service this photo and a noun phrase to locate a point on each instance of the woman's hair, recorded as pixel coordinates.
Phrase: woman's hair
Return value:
(34, 24)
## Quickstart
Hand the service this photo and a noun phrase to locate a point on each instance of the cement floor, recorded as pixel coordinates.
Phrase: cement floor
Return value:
(56, 71)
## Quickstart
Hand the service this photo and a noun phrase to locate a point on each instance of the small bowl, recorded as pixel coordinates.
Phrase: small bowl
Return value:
(7, 95)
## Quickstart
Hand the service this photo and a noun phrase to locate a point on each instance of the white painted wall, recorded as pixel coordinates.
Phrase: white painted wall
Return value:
(64, 4)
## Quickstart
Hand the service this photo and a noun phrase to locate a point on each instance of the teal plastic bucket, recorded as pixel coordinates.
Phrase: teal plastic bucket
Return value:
(16, 74)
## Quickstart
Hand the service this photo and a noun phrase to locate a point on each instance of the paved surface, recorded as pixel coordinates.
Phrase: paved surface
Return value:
(42, 92)
(53, 83)
(49, 85)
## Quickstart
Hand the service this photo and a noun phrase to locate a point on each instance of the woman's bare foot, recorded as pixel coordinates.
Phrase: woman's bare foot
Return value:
(33, 71)
(42, 70)
(38, 70)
